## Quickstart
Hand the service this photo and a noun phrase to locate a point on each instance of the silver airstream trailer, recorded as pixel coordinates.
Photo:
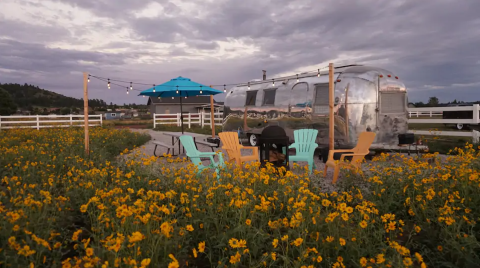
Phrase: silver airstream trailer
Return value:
(366, 99)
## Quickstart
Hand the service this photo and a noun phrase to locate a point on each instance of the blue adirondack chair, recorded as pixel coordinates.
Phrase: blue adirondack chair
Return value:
(304, 146)
(195, 155)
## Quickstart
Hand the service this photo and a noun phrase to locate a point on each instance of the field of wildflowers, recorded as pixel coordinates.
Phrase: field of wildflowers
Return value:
(60, 208)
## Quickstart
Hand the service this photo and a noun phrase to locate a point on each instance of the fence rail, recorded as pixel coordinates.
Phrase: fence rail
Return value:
(48, 121)
(412, 113)
(189, 119)
(475, 135)
(475, 119)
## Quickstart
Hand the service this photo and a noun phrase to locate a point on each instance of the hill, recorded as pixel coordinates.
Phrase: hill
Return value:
(28, 96)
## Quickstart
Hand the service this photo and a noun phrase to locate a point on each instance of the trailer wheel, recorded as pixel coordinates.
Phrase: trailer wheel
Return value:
(253, 139)
(460, 126)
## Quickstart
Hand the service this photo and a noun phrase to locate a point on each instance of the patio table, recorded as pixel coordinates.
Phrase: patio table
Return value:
(176, 138)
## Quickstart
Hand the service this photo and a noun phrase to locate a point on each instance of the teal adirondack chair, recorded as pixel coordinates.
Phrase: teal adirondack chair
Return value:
(304, 146)
(195, 155)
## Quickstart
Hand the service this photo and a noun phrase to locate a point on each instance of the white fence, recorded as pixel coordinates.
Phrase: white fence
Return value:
(189, 119)
(474, 120)
(47, 121)
(412, 112)
(430, 111)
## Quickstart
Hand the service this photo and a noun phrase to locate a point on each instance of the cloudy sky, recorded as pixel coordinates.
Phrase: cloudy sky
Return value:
(433, 45)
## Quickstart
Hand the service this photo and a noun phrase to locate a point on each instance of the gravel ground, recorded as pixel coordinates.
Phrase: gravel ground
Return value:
(324, 183)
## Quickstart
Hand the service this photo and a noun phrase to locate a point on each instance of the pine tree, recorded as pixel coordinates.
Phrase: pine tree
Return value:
(7, 105)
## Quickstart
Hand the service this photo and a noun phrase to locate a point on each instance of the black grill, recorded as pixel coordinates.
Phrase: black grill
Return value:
(273, 132)
(273, 141)
(406, 138)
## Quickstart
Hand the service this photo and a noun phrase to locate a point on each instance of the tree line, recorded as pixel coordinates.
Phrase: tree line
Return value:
(36, 100)
(434, 102)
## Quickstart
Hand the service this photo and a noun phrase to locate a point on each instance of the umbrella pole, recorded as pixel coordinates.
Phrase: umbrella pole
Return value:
(212, 116)
(181, 111)
(331, 104)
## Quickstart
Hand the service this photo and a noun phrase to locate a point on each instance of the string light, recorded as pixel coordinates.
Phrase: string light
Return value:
(127, 91)
(249, 84)
(233, 84)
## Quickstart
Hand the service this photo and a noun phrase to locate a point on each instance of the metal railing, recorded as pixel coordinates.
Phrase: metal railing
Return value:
(48, 121)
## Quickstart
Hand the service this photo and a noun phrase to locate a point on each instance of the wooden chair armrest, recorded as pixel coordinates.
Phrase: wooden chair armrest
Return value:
(343, 156)
(331, 152)
(342, 150)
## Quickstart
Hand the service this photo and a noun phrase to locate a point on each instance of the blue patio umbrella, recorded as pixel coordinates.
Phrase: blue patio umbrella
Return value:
(180, 87)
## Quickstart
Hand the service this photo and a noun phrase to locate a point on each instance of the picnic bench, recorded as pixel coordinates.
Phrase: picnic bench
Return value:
(206, 143)
(175, 139)
(161, 144)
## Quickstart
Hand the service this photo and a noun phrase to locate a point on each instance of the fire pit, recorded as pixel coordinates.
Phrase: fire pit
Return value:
(272, 140)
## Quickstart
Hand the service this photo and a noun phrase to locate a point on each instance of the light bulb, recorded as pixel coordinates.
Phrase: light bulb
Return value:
(200, 92)
(273, 82)
(318, 74)
(248, 85)
(297, 78)
(224, 88)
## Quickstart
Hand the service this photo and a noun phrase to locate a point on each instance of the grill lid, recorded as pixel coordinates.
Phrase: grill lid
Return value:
(273, 132)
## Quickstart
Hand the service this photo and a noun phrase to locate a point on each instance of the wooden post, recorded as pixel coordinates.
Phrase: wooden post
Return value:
(212, 114)
(245, 126)
(331, 101)
(85, 112)
(346, 114)
(476, 114)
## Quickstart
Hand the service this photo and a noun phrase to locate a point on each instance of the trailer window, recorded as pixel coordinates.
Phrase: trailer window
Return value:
(251, 98)
(321, 99)
(299, 96)
(269, 96)
(392, 102)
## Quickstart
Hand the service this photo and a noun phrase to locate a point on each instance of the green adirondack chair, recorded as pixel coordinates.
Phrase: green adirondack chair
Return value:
(195, 155)
(304, 146)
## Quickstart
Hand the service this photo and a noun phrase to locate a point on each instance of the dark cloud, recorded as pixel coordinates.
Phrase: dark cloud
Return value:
(21, 56)
(432, 45)
(19, 30)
